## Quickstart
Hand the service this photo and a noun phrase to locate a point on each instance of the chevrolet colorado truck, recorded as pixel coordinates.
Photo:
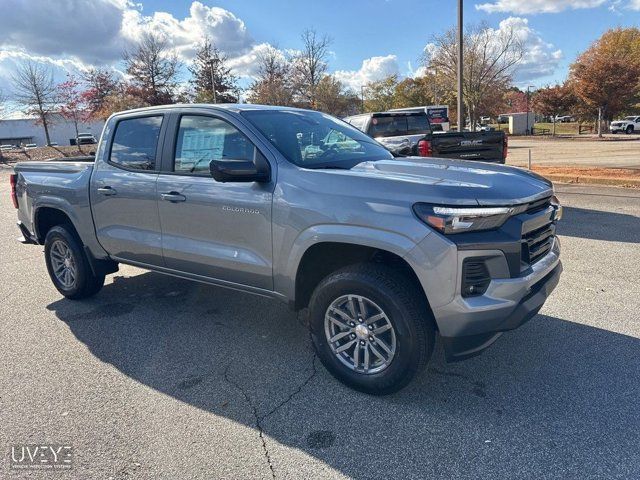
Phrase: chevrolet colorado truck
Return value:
(380, 253)
(407, 133)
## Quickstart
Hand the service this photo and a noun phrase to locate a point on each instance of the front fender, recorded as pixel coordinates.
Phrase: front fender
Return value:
(285, 278)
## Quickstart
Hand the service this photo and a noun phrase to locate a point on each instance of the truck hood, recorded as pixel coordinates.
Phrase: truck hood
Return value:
(453, 182)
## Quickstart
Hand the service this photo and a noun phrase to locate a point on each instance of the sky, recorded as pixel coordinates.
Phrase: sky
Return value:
(370, 38)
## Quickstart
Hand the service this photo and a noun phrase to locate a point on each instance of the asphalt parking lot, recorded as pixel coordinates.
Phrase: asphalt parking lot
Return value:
(157, 377)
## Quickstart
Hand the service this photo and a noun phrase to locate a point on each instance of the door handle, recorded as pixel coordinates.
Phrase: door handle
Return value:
(173, 197)
(107, 191)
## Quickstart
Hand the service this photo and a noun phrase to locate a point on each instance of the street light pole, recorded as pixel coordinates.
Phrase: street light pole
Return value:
(460, 69)
(362, 96)
(528, 109)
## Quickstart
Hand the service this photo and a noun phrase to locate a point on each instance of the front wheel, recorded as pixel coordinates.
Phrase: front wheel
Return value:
(67, 264)
(629, 130)
(371, 328)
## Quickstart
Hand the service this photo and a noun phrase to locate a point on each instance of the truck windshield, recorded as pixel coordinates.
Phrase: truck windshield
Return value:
(315, 140)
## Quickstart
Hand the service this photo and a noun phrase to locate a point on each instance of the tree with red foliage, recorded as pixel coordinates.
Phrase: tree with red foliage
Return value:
(101, 84)
(554, 101)
(71, 101)
(606, 75)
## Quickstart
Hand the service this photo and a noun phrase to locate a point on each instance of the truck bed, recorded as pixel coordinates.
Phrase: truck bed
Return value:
(56, 184)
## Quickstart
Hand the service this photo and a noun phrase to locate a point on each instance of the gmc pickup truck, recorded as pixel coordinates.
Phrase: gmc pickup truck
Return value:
(409, 133)
(380, 253)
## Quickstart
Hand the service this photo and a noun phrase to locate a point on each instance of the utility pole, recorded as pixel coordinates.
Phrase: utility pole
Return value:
(213, 81)
(460, 69)
(362, 96)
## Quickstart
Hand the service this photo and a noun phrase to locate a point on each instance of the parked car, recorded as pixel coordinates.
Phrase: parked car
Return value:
(502, 119)
(6, 147)
(53, 144)
(412, 134)
(85, 139)
(627, 125)
(301, 207)
(30, 146)
(565, 119)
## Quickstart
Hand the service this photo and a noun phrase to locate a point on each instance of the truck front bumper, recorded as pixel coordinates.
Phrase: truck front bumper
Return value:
(480, 330)
(470, 325)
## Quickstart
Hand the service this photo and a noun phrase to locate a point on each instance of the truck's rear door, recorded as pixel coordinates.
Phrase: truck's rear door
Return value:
(123, 189)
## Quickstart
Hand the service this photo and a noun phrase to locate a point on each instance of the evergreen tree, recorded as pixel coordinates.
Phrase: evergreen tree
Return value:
(210, 63)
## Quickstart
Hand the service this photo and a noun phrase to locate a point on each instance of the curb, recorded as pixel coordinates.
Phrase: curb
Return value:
(615, 181)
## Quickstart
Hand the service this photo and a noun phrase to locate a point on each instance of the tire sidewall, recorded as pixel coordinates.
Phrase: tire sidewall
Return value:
(406, 359)
(62, 234)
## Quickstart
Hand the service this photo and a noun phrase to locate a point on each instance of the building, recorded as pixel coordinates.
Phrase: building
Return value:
(28, 130)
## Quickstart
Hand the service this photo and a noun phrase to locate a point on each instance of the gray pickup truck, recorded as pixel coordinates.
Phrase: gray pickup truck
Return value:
(380, 253)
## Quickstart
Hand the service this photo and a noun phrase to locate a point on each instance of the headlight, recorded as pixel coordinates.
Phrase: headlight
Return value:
(451, 220)
(558, 210)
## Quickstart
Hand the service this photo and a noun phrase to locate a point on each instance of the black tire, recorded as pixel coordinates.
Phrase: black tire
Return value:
(86, 284)
(629, 130)
(407, 310)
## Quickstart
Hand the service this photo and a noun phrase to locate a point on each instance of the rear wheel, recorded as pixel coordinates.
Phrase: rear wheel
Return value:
(371, 328)
(67, 264)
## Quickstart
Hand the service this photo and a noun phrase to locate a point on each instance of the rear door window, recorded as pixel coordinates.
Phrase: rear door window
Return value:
(135, 143)
(398, 125)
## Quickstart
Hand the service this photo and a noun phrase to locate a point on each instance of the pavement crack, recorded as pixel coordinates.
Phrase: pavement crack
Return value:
(259, 419)
(310, 377)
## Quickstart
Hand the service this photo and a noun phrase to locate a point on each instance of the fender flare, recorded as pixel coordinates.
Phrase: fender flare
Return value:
(335, 233)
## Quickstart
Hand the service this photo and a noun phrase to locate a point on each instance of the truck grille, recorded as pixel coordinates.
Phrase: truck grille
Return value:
(537, 243)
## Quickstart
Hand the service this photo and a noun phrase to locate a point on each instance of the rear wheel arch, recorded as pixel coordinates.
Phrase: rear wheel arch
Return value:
(45, 218)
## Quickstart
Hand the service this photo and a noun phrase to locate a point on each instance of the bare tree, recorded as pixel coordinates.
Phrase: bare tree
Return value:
(491, 57)
(273, 84)
(35, 91)
(3, 101)
(310, 65)
(153, 68)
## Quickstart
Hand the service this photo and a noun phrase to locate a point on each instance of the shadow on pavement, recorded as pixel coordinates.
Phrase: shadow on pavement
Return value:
(553, 399)
(600, 225)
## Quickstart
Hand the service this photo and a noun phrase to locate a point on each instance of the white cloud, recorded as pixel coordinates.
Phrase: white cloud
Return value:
(540, 59)
(69, 36)
(524, 7)
(372, 69)
(226, 31)
(634, 5)
(90, 31)
(246, 65)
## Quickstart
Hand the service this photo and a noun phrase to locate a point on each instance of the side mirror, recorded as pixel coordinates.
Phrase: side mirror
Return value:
(227, 170)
